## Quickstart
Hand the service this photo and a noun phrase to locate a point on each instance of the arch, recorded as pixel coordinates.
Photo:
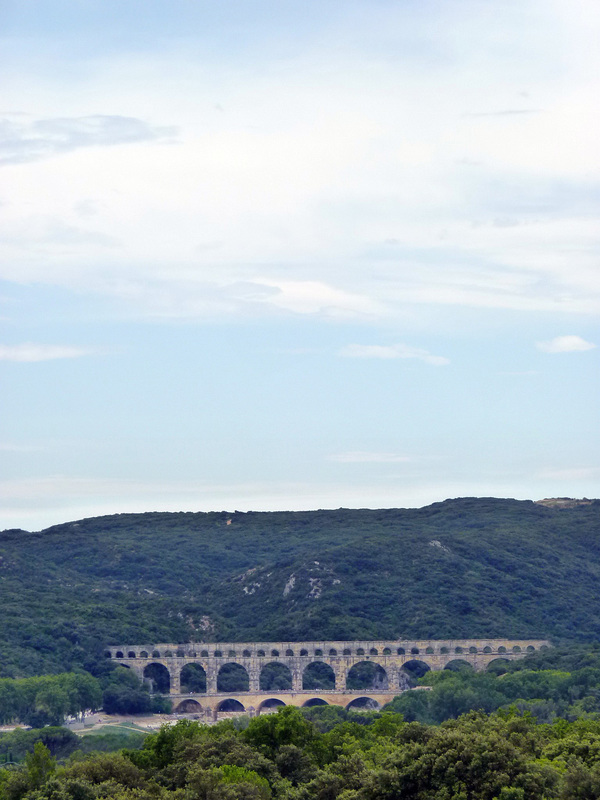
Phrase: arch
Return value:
(502, 649)
(205, 654)
(429, 651)
(360, 651)
(333, 652)
(233, 677)
(543, 647)
(193, 679)
(318, 675)
(247, 654)
(401, 651)
(289, 653)
(168, 654)
(131, 654)
(373, 651)
(472, 649)
(414, 669)
(530, 648)
(414, 651)
(363, 704)
(155, 654)
(347, 651)
(192, 654)
(444, 650)
(144, 654)
(231, 654)
(188, 706)
(499, 666)
(318, 652)
(274, 653)
(159, 677)
(119, 654)
(367, 675)
(230, 705)
(180, 653)
(458, 665)
(218, 654)
(315, 701)
(260, 653)
(458, 650)
(274, 677)
(487, 649)
(268, 705)
(303, 652)
(516, 649)
(387, 651)
(108, 654)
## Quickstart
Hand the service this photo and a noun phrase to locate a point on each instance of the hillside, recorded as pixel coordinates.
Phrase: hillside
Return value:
(465, 567)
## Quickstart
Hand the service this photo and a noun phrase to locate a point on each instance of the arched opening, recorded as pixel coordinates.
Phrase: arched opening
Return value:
(318, 675)
(155, 654)
(275, 677)
(458, 650)
(188, 707)
(204, 654)
(274, 653)
(360, 651)
(108, 654)
(516, 649)
(158, 675)
(444, 650)
(414, 651)
(363, 704)
(458, 665)
(347, 651)
(303, 652)
(233, 678)
(387, 651)
(270, 705)
(218, 654)
(472, 649)
(193, 679)
(530, 648)
(401, 651)
(118, 654)
(487, 649)
(502, 649)
(247, 654)
(318, 652)
(131, 654)
(429, 651)
(260, 653)
(231, 654)
(168, 654)
(373, 651)
(180, 653)
(289, 653)
(315, 701)
(333, 652)
(230, 705)
(499, 666)
(414, 669)
(367, 675)
(144, 654)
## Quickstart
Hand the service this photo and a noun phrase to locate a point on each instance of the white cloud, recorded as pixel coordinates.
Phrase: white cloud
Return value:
(30, 352)
(565, 344)
(362, 457)
(391, 352)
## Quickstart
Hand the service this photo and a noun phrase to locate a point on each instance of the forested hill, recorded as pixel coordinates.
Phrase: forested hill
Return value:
(461, 568)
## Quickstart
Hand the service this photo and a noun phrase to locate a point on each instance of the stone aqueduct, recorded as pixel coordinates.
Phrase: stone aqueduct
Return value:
(296, 660)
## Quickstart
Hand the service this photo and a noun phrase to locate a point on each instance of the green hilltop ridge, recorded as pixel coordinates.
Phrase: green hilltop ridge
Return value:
(470, 567)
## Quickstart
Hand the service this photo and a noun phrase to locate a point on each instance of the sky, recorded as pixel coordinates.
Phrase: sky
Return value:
(264, 254)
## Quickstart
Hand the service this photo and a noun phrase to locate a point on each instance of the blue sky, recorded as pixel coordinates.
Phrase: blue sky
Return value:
(281, 255)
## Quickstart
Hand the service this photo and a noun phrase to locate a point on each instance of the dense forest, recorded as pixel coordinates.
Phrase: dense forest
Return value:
(462, 568)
